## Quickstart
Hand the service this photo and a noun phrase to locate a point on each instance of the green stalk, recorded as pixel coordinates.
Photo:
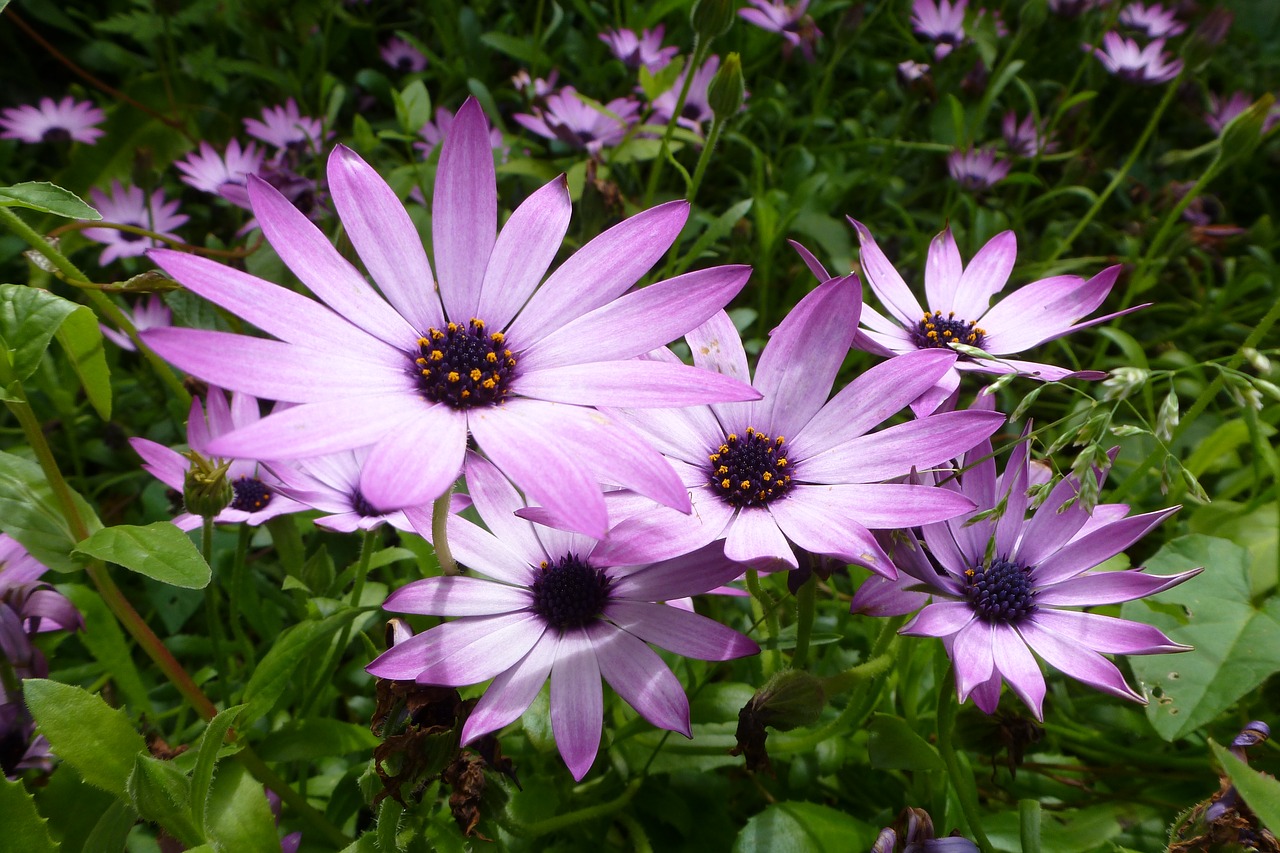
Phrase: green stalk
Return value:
(763, 607)
(440, 533)
(213, 612)
(961, 778)
(368, 545)
(700, 49)
(239, 586)
(806, 602)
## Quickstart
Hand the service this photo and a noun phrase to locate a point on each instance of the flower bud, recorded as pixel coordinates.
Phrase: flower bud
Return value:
(206, 490)
(726, 90)
(789, 699)
(712, 18)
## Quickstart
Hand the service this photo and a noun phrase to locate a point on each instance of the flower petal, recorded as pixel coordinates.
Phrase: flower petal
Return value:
(1094, 588)
(686, 434)
(880, 596)
(1097, 547)
(637, 383)
(986, 275)
(817, 529)
(577, 702)
(1018, 666)
(664, 533)
(405, 660)
(717, 346)
(167, 466)
(885, 281)
(464, 211)
(942, 271)
(755, 539)
(497, 501)
(314, 429)
(1107, 634)
(940, 619)
(513, 691)
(1043, 310)
(479, 651)
(524, 250)
(815, 266)
(640, 677)
(457, 596)
(679, 631)
(482, 551)
(689, 574)
(417, 460)
(883, 506)
(1076, 660)
(972, 653)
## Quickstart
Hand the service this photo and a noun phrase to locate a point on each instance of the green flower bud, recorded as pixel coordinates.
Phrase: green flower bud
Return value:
(206, 490)
(789, 699)
(726, 89)
(712, 18)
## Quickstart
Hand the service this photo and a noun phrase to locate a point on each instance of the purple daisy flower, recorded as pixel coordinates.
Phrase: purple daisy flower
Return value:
(794, 469)
(642, 51)
(1025, 138)
(697, 106)
(211, 172)
(960, 311)
(1223, 110)
(535, 88)
(130, 206)
(50, 121)
(402, 56)
(1154, 21)
(940, 21)
(434, 132)
(1146, 66)
(977, 169)
(256, 490)
(489, 356)
(286, 128)
(151, 313)
(581, 122)
(790, 22)
(992, 613)
(550, 605)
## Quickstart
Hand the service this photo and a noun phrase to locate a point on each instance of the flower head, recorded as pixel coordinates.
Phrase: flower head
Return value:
(489, 355)
(697, 107)
(285, 128)
(402, 56)
(130, 206)
(50, 121)
(1152, 21)
(580, 121)
(642, 51)
(537, 88)
(790, 22)
(544, 603)
(1024, 138)
(1146, 66)
(998, 589)
(976, 169)
(211, 172)
(940, 21)
(151, 313)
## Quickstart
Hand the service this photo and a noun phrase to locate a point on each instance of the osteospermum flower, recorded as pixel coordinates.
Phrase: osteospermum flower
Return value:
(1143, 65)
(790, 22)
(130, 206)
(940, 21)
(537, 88)
(224, 175)
(256, 496)
(640, 51)
(697, 106)
(977, 169)
(151, 313)
(1152, 21)
(402, 56)
(581, 122)
(1025, 138)
(549, 605)
(490, 356)
(958, 310)
(434, 132)
(50, 121)
(1000, 589)
(795, 469)
(284, 127)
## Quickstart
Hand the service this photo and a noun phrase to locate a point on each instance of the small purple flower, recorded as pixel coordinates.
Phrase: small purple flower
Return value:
(225, 176)
(993, 611)
(51, 121)
(642, 51)
(697, 109)
(790, 22)
(1154, 21)
(535, 89)
(285, 128)
(544, 603)
(256, 490)
(910, 71)
(402, 56)
(580, 121)
(976, 169)
(1223, 110)
(131, 207)
(1025, 138)
(434, 132)
(1146, 66)
(151, 313)
(940, 21)
(1253, 734)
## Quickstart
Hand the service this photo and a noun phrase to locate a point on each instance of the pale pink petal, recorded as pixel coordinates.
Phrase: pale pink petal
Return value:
(986, 275)
(687, 434)
(686, 575)
(1085, 552)
(1097, 588)
(1107, 634)
(1077, 660)
(971, 650)
(464, 212)
(457, 595)
(942, 271)
(640, 677)
(637, 383)
(314, 429)
(497, 501)
(482, 551)
(404, 661)
(512, 691)
(885, 280)
(164, 464)
(754, 538)
(663, 533)
(1015, 662)
(417, 460)
(524, 250)
(679, 631)
(940, 619)
(883, 506)
(815, 528)
(577, 702)
(1043, 310)
(481, 650)
(815, 266)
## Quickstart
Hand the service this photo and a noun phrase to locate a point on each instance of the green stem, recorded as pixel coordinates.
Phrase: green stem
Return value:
(440, 533)
(368, 545)
(765, 610)
(700, 49)
(806, 602)
(552, 824)
(961, 778)
(239, 592)
(213, 612)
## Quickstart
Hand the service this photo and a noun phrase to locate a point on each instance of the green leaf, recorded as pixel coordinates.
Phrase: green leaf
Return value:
(794, 827)
(295, 645)
(159, 550)
(106, 642)
(413, 107)
(206, 760)
(112, 829)
(895, 746)
(29, 318)
(47, 198)
(1262, 793)
(159, 791)
(514, 47)
(81, 340)
(30, 513)
(1029, 825)
(239, 817)
(1237, 645)
(84, 731)
(24, 829)
(717, 230)
(307, 740)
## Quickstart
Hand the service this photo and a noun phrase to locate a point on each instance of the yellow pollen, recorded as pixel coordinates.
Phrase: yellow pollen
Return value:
(453, 376)
(766, 476)
(722, 470)
(732, 437)
(491, 357)
(489, 384)
(421, 362)
(436, 355)
(724, 484)
(782, 462)
(477, 322)
(465, 394)
(422, 342)
(475, 374)
(497, 338)
(436, 334)
(745, 484)
(453, 327)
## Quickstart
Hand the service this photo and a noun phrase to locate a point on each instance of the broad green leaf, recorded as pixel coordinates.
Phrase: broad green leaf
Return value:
(112, 829)
(160, 792)
(1262, 793)
(718, 229)
(307, 740)
(413, 107)
(1237, 645)
(1029, 825)
(1257, 529)
(81, 340)
(239, 817)
(84, 731)
(517, 48)
(797, 827)
(106, 642)
(47, 198)
(24, 829)
(211, 743)
(367, 843)
(30, 513)
(895, 746)
(29, 318)
(295, 645)
(1084, 830)
(159, 550)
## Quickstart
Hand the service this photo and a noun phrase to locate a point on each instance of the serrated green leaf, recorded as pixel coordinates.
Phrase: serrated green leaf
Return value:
(84, 731)
(47, 198)
(105, 641)
(160, 792)
(206, 760)
(267, 684)
(239, 817)
(894, 745)
(1261, 793)
(29, 318)
(159, 550)
(81, 340)
(112, 829)
(24, 828)
(30, 513)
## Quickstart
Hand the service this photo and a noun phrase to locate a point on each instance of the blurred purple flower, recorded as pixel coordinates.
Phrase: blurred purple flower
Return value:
(1254, 733)
(535, 89)
(50, 121)
(434, 132)
(285, 128)
(580, 121)
(910, 72)
(151, 313)
(940, 21)
(1024, 137)
(1146, 66)
(643, 51)
(131, 207)
(1222, 111)
(976, 169)
(402, 56)
(225, 176)
(489, 356)
(1154, 21)
(790, 22)
(917, 836)
(544, 603)
(697, 109)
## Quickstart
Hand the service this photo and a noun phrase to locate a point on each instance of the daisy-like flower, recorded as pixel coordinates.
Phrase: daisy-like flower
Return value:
(790, 22)
(1152, 21)
(959, 310)
(697, 108)
(285, 128)
(256, 491)
(940, 21)
(642, 51)
(1223, 110)
(50, 121)
(580, 121)
(434, 132)
(549, 605)
(1025, 138)
(151, 313)
(911, 72)
(402, 56)
(211, 172)
(976, 169)
(1000, 589)
(130, 206)
(1123, 57)
(535, 88)
(794, 469)
(490, 356)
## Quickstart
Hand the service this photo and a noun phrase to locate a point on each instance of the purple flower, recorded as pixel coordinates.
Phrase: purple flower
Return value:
(795, 469)
(940, 21)
(1123, 58)
(976, 169)
(643, 51)
(151, 313)
(1025, 138)
(490, 356)
(790, 22)
(697, 109)
(402, 56)
(62, 121)
(549, 605)
(286, 128)
(1223, 110)
(210, 172)
(993, 612)
(256, 490)
(535, 89)
(959, 310)
(131, 207)
(581, 122)
(910, 72)
(1153, 21)
(434, 132)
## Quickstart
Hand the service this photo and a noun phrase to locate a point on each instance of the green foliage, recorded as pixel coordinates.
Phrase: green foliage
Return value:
(47, 198)
(94, 738)
(24, 828)
(160, 551)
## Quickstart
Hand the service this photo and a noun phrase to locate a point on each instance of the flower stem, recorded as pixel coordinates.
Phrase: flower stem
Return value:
(961, 777)
(701, 47)
(440, 533)
(806, 602)
(552, 824)
(368, 545)
(764, 609)
(238, 592)
(213, 612)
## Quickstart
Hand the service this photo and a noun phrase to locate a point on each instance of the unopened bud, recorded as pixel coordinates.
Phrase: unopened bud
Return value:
(712, 18)
(206, 489)
(726, 90)
(789, 699)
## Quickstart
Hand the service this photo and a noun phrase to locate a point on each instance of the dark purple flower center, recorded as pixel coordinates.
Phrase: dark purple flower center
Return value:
(1001, 592)
(360, 504)
(56, 134)
(750, 469)
(129, 236)
(569, 593)
(464, 366)
(251, 494)
(934, 330)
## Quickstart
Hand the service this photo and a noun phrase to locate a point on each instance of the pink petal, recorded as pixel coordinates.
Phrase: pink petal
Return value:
(164, 464)
(1076, 660)
(1042, 310)
(1106, 634)
(679, 631)
(512, 691)
(464, 211)
(686, 434)
(1018, 666)
(417, 460)
(815, 266)
(716, 346)
(640, 677)
(815, 528)
(940, 619)
(664, 533)
(524, 250)
(885, 280)
(482, 551)
(680, 577)
(314, 429)
(883, 506)
(973, 656)
(942, 271)
(986, 275)
(880, 596)
(405, 660)
(577, 702)
(1085, 552)
(486, 646)
(637, 383)
(457, 596)
(1095, 588)
(754, 539)
(497, 501)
